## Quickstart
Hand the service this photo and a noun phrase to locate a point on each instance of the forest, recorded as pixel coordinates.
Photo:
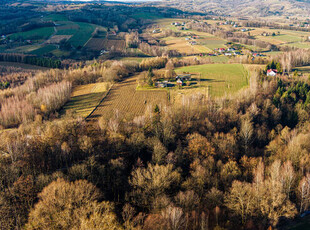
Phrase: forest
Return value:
(148, 117)
(225, 163)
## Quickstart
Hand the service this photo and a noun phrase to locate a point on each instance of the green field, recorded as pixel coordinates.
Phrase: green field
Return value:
(221, 78)
(85, 98)
(303, 70)
(83, 34)
(219, 59)
(36, 34)
(214, 44)
(43, 50)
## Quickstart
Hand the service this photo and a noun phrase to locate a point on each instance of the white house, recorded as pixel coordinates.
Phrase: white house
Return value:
(272, 72)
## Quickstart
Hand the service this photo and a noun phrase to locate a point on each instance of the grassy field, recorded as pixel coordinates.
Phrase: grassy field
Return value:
(214, 43)
(303, 70)
(219, 59)
(36, 34)
(22, 65)
(127, 101)
(43, 50)
(221, 79)
(83, 34)
(85, 98)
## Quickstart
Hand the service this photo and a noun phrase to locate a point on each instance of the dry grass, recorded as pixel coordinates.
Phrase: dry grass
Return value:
(124, 100)
(183, 46)
(98, 44)
(56, 39)
(85, 98)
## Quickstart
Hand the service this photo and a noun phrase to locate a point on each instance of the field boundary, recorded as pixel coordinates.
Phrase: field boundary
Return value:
(106, 94)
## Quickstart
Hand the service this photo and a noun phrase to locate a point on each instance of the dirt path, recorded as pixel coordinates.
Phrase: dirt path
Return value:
(125, 100)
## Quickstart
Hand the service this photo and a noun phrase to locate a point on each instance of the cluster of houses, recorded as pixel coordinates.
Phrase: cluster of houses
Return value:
(191, 39)
(180, 81)
(258, 55)
(183, 24)
(228, 51)
(178, 24)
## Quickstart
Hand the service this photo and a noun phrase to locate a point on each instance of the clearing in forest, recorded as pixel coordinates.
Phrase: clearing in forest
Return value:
(124, 99)
(85, 98)
(215, 79)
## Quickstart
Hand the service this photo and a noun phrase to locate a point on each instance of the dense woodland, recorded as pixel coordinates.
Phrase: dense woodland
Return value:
(236, 162)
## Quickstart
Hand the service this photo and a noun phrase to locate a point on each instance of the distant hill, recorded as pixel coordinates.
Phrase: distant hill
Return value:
(245, 7)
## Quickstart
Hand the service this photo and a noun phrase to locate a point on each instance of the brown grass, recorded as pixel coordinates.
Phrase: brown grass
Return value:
(127, 102)
(98, 44)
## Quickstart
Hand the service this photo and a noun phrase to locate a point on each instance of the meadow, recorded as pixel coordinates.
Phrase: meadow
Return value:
(83, 34)
(43, 50)
(220, 79)
(36, 34)
(128, 102)
(85, 98)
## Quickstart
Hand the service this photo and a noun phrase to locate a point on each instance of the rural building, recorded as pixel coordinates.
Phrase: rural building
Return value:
(244, 30)
(237, 53)
(193, 43)
(156, 31)
(256, 55)
(179, 82)
(161, 84)
(230, 49)
(222, 50)
(183, 77)
(102, 52)
(272, 72)
(227, 54)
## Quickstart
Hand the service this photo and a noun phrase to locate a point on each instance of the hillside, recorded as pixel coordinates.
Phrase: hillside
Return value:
(246, 7)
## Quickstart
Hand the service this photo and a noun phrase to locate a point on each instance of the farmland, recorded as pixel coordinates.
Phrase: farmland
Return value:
(125, 100)
(220, 79)
(43, 50)
(21, 66)
(36, 34)
(85, 98)
(83, 34)
(98, 44)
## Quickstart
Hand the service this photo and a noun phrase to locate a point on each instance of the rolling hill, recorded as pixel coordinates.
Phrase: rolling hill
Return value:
(260, 8)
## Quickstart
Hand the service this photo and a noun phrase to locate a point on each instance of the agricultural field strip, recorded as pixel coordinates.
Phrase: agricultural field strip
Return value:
(124, 98)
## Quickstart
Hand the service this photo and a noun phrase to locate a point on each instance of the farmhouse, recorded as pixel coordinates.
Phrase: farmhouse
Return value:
(193, 43)
(272, 72)
(183, 77)
(227, 54)
(230, 49)
(222, 50)
(102, 52)
(156, 31)
(179, 82)
(161, 84)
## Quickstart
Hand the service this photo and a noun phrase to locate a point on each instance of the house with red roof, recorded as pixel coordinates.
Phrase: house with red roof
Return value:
(272, 72)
